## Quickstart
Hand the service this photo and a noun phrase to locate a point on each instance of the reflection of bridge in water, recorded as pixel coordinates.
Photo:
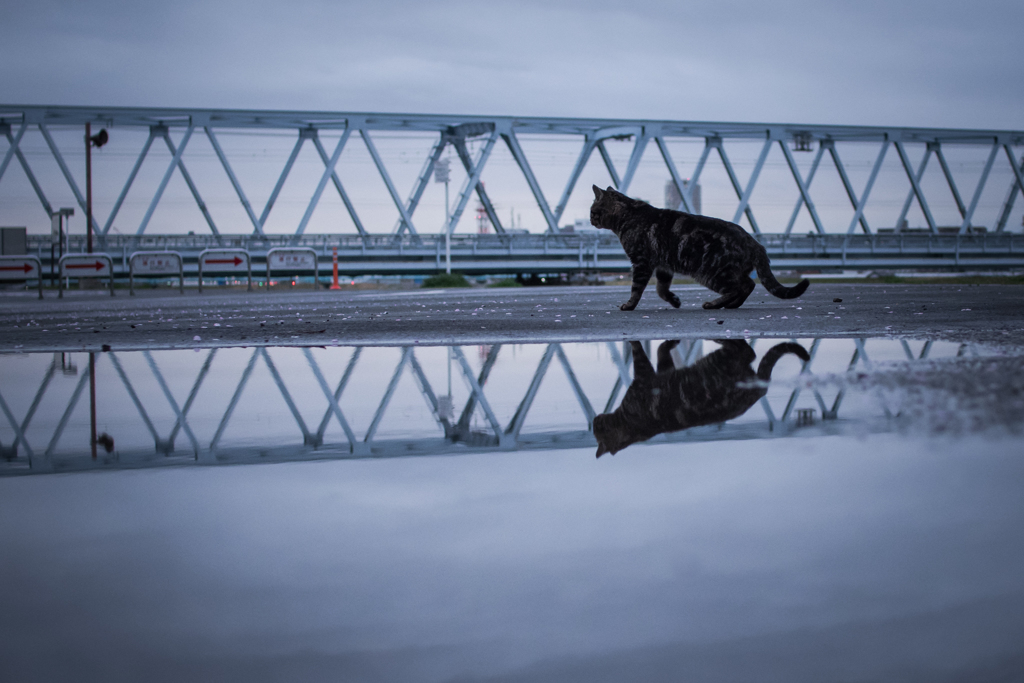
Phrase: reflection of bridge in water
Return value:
(500, 411)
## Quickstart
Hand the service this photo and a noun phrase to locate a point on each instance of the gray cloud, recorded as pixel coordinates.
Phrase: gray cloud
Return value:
(907, 63)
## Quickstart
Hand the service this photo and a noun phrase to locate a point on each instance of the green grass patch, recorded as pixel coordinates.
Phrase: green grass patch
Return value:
(446, 280)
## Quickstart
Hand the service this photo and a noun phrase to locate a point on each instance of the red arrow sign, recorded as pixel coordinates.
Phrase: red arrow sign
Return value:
(236, 260)
(98, 265)
(26, 267)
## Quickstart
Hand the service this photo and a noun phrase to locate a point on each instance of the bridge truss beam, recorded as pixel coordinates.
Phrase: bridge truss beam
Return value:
(19, 121)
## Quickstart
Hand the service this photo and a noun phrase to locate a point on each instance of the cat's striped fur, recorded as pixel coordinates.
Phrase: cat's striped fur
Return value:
(661, 242)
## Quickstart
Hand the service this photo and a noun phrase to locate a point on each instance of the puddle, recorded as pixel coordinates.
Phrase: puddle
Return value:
(228, 405)
(856, 515)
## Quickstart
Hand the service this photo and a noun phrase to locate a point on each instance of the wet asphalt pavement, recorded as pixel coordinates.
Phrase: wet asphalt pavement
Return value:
(164, 319)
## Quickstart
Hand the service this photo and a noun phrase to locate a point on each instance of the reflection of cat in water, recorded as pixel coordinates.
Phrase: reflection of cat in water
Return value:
(704, 393)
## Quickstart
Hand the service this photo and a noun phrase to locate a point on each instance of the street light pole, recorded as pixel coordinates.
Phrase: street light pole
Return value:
(98, 140)
(442, 174)
(88, 196)
(447, 232)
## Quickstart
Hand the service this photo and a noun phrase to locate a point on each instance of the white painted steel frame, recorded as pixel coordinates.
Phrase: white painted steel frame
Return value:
(455, 130)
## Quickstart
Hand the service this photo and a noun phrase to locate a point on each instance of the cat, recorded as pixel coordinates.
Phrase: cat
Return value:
(661, 242)
(671, 399)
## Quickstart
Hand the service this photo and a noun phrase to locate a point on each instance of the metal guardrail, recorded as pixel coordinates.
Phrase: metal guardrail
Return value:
(564, 253)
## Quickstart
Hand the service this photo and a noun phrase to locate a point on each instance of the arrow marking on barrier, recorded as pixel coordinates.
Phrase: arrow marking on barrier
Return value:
(98, 265)
(236, 260)
(25, 267)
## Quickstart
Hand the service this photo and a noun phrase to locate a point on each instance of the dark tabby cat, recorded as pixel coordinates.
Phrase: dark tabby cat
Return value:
(661, 242)
(704, 393)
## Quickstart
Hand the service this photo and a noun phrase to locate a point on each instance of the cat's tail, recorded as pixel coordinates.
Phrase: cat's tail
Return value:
(764, 272)
(767, 364)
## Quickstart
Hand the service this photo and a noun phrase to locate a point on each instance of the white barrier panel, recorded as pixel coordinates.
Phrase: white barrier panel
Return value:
(293, 258)
(85, 265)
(235, 261)
(155, 263)
(22, 268)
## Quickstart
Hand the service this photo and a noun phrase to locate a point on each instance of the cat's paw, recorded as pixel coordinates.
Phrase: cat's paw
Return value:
(676, 303)
(708, 305)
(628, 306)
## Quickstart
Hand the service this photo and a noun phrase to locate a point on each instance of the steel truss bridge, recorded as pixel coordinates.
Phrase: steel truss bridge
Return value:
(459, 433)
(405, 248)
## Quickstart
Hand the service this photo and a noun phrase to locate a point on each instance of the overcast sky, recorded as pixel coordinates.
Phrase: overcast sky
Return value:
(891, 63)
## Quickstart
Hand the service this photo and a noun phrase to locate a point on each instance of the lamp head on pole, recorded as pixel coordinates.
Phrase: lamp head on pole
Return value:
(100, 138)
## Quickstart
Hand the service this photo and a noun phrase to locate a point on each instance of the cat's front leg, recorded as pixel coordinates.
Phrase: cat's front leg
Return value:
(664, 283)
(641, 276)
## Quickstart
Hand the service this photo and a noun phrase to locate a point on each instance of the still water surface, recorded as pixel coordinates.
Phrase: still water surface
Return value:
(863, 520)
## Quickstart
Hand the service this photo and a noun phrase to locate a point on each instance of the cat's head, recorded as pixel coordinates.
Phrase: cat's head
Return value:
(608, 207)
(611, 434)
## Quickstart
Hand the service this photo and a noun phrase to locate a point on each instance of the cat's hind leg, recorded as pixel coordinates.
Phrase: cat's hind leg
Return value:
(745, 287)
(641, 276)
(733, 294)
(664, 282)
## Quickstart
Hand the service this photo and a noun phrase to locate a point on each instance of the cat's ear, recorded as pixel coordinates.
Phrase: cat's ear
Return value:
(598, 192)
(601, 450)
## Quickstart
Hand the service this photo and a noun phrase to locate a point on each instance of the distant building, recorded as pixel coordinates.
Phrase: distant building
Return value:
(673, 200)
(583, 225)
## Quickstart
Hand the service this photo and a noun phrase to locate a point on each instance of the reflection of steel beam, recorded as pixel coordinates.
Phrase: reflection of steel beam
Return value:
(428, 393)
(516, 424)
(623, 379)
(234, 400)
(401, 448)
(467, 413)
(387, 394)
(66, 416)
(192, 396)
(333, 406)
(19, 431)
(171, 402)
(306, 436)
(135, 398)
(337, 398)
(475, 389)
(588, 410)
